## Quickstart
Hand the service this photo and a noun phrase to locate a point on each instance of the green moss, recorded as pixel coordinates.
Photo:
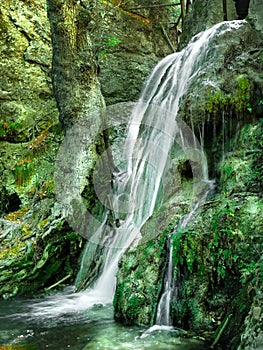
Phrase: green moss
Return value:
(9, 130)
(242, 100)
(238, 100)
(243, 85)
(186, 250)
(139, 282)
(223, 246)
(7, 253)
(216, 101)
(23, 171)
(18, 215)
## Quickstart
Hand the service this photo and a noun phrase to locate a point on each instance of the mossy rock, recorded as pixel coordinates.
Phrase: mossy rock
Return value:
(26, 63)
(38, 251)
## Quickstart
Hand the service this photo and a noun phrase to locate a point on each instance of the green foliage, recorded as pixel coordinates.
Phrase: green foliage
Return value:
(252, 272)
(243, 85)
(139, 282)
(8, 130)
(111, 41)
(238, 100)
(227, 170)
(216, 99)
(105, 46)
(249, 108)
(173, 11)
(224, 236)
(244, 91)
(227, 246)
(186, 250)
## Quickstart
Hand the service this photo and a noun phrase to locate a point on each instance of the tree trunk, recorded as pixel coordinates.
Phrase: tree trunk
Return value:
(74, 72)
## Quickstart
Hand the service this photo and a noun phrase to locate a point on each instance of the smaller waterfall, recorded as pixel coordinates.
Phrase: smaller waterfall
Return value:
(171, 282)
(163, 317)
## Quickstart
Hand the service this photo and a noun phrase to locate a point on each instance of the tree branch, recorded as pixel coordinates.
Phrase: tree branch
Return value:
(152, 6)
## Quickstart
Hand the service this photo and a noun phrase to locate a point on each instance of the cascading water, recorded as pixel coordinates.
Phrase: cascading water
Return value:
(163, 317)
(152, 130)
(138, 178)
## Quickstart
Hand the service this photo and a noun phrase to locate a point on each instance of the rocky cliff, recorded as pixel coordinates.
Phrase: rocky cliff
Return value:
(38, 248)
(218, 258)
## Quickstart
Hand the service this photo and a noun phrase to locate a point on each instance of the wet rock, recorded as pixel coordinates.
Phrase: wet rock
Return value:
(252, 337)
(229, 80)
(118, 73)
(38, 249)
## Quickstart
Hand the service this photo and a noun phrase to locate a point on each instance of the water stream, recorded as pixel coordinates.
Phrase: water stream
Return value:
(25, 324)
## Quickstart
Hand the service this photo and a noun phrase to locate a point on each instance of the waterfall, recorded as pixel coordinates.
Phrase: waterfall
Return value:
(139, 177)
(163, 317)
(152, 131)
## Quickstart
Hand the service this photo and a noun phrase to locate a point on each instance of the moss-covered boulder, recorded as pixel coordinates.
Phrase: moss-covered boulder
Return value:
(228, 83)
(38, 250)
(221, 252)
(27, 105)
(218, 257)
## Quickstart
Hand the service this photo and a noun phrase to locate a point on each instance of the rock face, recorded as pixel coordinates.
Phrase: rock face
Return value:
(252, 336)
(38, 249)
(204, 15)
(128, 46)
(218, 258)
(255, 14)
(207, 13)
(27, 106)
(226, 92)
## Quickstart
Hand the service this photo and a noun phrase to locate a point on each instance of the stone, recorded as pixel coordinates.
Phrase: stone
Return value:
(204, 15)
(27, 104)
(256, 312)
(125, 62)
(255, 14)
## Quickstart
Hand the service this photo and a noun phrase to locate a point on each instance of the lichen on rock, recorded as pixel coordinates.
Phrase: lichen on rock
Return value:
(26, 66)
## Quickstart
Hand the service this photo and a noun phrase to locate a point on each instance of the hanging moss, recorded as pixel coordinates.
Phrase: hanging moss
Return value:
(238, 100)
(23, 171)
